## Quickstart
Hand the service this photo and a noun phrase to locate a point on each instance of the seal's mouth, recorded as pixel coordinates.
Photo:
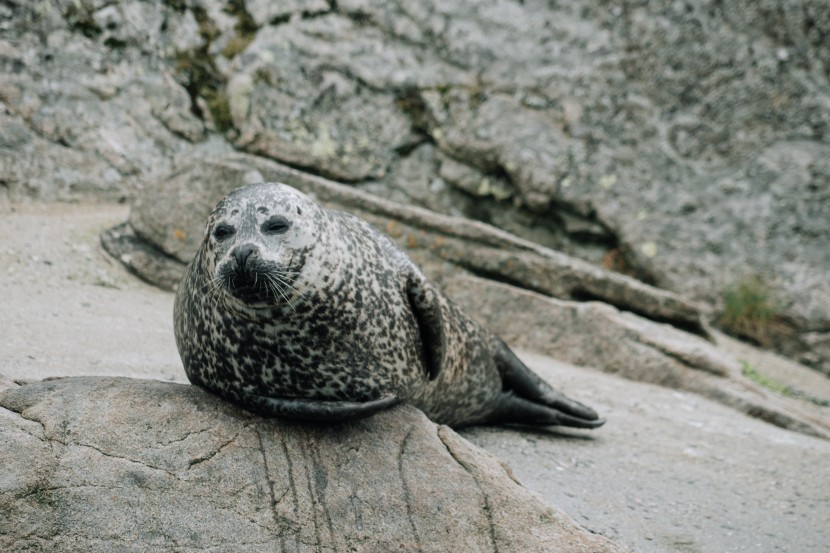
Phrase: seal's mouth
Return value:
(257, 285)
(250, 287)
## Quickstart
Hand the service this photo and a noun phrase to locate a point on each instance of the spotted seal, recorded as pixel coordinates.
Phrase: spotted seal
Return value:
(290, 309)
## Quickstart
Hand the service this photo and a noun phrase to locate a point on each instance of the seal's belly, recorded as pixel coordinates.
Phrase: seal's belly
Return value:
(311, 363)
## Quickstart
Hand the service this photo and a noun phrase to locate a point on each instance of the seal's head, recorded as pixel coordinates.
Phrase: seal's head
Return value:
(257, 241)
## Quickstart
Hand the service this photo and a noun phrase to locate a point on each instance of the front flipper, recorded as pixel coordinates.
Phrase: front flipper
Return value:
(312, 410)
(534, 398)
(426, 308)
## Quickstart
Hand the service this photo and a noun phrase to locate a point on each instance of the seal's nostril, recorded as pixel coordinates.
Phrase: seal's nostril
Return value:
(242, 253)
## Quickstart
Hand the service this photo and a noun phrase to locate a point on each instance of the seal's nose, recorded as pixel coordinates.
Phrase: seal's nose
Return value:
(242, 254)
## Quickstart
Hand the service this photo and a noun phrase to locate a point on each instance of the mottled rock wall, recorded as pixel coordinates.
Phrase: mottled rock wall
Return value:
(684, 143)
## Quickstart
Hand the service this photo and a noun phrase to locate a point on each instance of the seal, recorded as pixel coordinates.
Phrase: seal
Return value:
(290, 309)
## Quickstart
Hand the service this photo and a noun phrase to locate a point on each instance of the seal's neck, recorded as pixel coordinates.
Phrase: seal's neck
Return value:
(323, 264)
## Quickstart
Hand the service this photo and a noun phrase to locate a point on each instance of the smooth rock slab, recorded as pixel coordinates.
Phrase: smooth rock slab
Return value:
(116, 464)
(595, 334)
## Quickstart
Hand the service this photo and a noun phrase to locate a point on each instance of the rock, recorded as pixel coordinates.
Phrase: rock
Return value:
(433, 239)
(672, 471)
(264, 12)
(294, 108)
(90, 106)
(684, 146)
(35, 167)
(104, 464)
(594, 334)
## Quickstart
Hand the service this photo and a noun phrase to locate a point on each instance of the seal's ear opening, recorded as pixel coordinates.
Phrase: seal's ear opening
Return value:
(423, 301)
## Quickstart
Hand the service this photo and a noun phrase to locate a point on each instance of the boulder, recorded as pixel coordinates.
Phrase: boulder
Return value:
(161, 237)
(92, 103)
(116, 464)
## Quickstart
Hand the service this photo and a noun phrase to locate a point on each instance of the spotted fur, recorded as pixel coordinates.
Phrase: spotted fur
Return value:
(286, 299)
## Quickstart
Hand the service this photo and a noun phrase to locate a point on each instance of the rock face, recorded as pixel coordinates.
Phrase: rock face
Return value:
(114, 464)
(686, 145)
(160, 239)
(90, 101)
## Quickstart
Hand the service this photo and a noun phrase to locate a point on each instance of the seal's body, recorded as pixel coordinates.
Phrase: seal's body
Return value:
(291, 309)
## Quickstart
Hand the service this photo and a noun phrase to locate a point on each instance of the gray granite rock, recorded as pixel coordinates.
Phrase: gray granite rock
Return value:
(686, 146)
(91, 104)
(439, 243)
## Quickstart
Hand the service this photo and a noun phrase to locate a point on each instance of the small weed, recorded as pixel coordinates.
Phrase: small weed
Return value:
(749, 311)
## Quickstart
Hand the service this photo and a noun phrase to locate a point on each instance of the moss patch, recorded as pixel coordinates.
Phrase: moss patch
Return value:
(199, 75)
(246, 29)
(197, 71)
(752, 374)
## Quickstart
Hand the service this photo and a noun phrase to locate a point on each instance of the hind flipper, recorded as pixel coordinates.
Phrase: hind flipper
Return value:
(312, 410)
(513, 409)
(528, 385)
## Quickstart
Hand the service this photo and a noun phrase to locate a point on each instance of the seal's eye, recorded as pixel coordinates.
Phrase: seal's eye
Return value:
(223, 231)
(276, 225)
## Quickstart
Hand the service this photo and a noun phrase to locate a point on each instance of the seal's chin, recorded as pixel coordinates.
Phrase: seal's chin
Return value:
(249, 288)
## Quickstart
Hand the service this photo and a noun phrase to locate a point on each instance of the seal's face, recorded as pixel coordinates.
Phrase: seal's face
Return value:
(256, 242)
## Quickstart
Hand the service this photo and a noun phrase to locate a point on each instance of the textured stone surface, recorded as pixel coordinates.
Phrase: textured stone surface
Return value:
(104, 464)
(158, 220)
(684, 144)
(670, 471)
(597, 335)
(90, 101)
